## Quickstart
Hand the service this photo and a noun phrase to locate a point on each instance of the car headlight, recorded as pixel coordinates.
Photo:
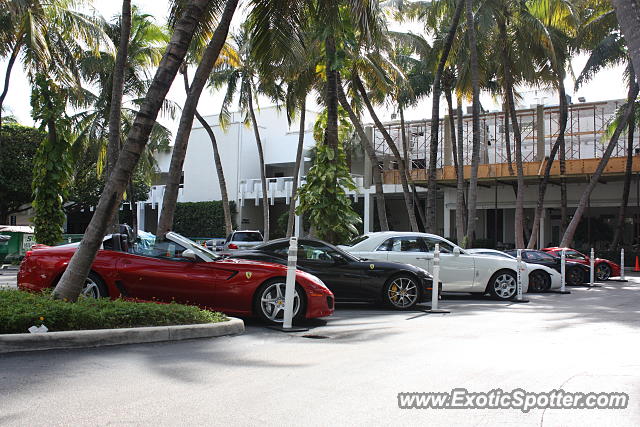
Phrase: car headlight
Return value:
(313, 279)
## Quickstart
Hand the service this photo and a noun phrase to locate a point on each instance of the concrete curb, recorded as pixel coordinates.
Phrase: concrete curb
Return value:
(104, 337)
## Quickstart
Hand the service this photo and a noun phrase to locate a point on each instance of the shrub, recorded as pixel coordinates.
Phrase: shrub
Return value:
(20, 310)
(201, 219)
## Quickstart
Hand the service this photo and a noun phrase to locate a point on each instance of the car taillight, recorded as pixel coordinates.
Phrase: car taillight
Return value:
(233, 246)
(28, 253)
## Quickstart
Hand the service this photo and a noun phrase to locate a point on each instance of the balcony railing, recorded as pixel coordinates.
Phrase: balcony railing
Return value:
(279, 187)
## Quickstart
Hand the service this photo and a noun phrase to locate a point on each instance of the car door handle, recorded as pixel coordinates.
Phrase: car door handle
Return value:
(424, 257)
(125, 262)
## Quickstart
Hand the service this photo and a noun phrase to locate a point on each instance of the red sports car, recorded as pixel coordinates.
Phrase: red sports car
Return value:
(178, 269)
(603, 267)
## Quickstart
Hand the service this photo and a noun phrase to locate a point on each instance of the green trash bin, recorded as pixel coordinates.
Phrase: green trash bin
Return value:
(21, 238)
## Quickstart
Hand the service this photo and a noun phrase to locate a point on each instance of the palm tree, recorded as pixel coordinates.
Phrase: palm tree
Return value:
(46, 34)
(408, 199)
(599, 35)
(567, 238)
(413, 82)
(633, 120)
(435, 117)
(72, 280)
(475, 157)
(628, 13)
(117, 89)
(209, 58)
(278, 31)
(241, 76)
(381, 205)
(146, 45)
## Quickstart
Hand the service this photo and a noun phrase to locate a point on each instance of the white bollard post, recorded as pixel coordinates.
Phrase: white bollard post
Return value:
(291, 283)
(592, 265)
(436, 277)
(622, 264)
(519, 276)
(563, 262)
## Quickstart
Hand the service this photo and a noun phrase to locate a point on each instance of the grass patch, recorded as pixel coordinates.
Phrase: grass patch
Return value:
(20, 310)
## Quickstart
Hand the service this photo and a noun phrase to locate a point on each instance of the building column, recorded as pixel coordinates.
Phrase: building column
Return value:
(542, 231)
(140, 215)
(447, 221)
(540, 139)
(367, 211)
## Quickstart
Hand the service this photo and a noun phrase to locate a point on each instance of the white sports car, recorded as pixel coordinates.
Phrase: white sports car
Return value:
(541, 277)
(460, 271)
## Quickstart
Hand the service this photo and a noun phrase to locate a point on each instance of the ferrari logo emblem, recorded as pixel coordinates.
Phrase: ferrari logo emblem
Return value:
(372, 266)
(248, 274)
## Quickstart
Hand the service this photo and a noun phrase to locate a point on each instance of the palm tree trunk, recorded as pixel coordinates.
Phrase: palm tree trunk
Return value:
(331, 132)
(412, 184)
(567, 239)
(454, 143)
(117, 88)
(627, 182)
(392, 146)
(209, 57)
(381, 204)
(7, 77)
(228, 223)
(435, 121)
(475, 157)
(460, 202)
(542, 186)
(628, 14)
(296, 169)
(263, 176)
(508, 79)
(71, 282)
(507, 139)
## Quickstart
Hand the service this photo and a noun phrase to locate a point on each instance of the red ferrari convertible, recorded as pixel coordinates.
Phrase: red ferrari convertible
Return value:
(178, 269)
(603, 268)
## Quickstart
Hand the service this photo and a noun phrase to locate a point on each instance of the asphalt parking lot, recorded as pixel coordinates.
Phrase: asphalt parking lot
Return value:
(349, 369)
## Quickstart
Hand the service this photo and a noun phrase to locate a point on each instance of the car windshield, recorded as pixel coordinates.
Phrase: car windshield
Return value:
(543, 255)
(247, 236)
(357, 240)
(147, 240)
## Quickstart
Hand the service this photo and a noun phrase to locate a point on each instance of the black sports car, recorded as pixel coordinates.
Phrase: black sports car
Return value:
(401, 286)
(576, 273)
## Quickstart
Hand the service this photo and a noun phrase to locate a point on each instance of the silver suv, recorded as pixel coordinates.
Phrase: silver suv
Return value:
(244, 239)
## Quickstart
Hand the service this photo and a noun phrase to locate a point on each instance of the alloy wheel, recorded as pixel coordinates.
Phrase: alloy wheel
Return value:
(402, 292)
(505, 286)
(91, 289)
(272, 302)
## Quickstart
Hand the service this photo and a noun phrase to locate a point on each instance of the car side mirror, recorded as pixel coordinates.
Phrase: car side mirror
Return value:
(189, 254)
(456, 251)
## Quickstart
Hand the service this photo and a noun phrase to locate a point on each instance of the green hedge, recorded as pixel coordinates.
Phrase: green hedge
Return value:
(201, 218)
(20, 310)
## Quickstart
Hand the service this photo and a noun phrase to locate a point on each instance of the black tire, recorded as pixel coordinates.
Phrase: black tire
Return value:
(503, 285)
(602, 272)
(575, 276)
(94, 287)
(269, 290)
(402, 292)
(539, 281)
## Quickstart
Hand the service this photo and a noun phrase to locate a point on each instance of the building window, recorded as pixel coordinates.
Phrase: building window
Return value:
(13, 220)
